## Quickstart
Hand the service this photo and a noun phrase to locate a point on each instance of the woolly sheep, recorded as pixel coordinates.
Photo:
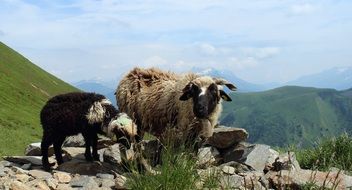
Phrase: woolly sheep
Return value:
(72, 113)
(159, 100)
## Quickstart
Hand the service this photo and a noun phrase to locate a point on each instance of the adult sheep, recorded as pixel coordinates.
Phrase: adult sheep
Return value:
(159, 100)
(72, 113)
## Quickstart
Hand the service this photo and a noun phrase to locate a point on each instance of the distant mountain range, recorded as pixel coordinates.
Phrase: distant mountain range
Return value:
(338, 78)
(290, 115)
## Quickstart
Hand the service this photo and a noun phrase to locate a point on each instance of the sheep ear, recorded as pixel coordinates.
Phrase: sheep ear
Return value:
(221, 81)
(224, 96)
(187, 92)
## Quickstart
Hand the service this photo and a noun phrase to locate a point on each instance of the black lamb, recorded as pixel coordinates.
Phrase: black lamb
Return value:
(72, 113)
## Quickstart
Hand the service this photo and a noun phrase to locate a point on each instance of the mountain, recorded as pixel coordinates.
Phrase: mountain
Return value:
(290, 115)
(24, 89)
(338, 78)
(242, 85)
(98, 87)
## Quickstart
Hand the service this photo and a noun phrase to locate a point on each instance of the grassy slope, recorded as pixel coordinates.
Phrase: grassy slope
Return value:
(289, 115)
(24, 88)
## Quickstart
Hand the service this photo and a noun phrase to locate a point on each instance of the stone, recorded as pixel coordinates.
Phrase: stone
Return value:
(5, 163)
(85, 168)
(16, 185)
(39, 174)
(231, 182)
(106, 183)
(74, 152)
(285, 161)
(84, 182)
(26, 166)
(228, 170)
(297, 178)
(112, 154)
(207, 156)
(64, 187)
(239, 167)
(41, 185)
(255, 156)
(105, 176)
(24, 178)
(34, 149)
(34, 160)
(51, 182)
(120, 182)
(225, 137)
(18, 170)
(62, 177)
(74, 141)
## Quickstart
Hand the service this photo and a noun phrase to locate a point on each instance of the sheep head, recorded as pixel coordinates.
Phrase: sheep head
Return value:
(206, 93)
(123, 128)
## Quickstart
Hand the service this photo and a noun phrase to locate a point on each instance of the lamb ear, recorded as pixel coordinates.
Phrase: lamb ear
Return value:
(187, 92)
(221, 81)
(224, 96)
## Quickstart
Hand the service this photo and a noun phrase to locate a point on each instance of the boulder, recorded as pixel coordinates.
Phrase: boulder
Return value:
(39, 174)
(62, 177)
(285, 161)
(83, 167)
(16, 185)
(225, 137)
(74, 141)
(34, 160)
(34, 149)
(84, 182)
(207, 156)
(112, 154)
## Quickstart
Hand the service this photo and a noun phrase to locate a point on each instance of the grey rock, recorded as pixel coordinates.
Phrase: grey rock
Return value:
(5, 163)
(207, 156)
(105, 176)
(239, 167)
(74, 141)
(112, 154)
(39, 174)
(34, 149)
(120, 182)
(34, 160)
(224, 137)
(255, 156)
(229, 170)
(26, 166)
(231, 181)
(62, 177)
(84, 182)
(285, 161)
(18, 170)
(86, 168)
(74, 152)
(16, 185)
(105, 183)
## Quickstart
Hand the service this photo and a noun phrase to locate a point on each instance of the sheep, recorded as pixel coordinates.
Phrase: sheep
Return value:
(157, 100)
(72, 113)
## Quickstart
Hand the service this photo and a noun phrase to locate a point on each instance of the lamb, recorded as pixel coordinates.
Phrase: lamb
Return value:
(72, 113)
(157, 100)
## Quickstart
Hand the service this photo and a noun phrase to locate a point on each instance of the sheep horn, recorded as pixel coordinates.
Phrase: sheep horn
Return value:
(221, 81)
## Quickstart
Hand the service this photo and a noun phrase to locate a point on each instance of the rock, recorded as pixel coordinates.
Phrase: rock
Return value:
(74, 152)
(18, 170)
(120, 182)
(5, 163)
(231, 182)
(34, 149)
(39, 174)
(254, 180)
(112, 154)
(272, 157)
(105, 183)
(224, 137)
(228, 170)
(41, 185)
(86, 168)
(16, 185)
(26, 166)
(207, 156)
(52, 183)
(24, 178)
(64, 187)
(74, 141)
(286, 161)
(62, 177)
(84, 182)
(295, 179)
(255, 156)
(34, 160)
(239, 167)
(105, 176)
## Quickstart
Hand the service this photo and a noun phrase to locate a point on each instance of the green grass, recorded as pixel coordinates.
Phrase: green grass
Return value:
(328, 153)
(24, 89)
(290, 115)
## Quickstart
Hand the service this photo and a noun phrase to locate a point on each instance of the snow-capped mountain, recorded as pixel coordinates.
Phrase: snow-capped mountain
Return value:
(339, 78)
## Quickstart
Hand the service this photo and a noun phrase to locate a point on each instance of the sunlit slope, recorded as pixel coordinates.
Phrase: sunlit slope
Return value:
(24, 89)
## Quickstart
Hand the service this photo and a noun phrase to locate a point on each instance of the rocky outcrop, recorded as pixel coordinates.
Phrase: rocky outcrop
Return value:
(226, 155)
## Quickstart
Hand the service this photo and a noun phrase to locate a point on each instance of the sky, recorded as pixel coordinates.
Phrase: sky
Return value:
(260, 41)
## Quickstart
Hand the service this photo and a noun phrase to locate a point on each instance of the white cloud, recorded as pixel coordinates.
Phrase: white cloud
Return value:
(303, 8)
(155, 61)
(207, 49)
(261, 53)
(242, 63)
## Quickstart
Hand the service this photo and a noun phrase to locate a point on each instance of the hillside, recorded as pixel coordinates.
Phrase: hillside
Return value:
(24, 88)
(290, 115)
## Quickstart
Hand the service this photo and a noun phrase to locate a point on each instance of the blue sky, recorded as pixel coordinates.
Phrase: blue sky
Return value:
(261, 41)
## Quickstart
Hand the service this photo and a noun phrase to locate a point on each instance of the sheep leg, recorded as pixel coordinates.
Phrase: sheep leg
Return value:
(87, 154)
(46, 142)
(94, 147)
(57, 148)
